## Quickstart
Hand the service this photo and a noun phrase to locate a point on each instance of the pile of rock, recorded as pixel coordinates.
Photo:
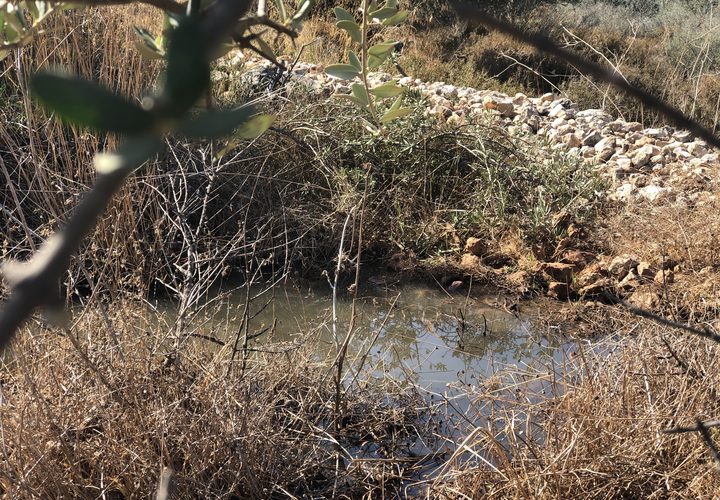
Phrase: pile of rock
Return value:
(650, 165)
(622, 276)
(653, 164)
(644, 164)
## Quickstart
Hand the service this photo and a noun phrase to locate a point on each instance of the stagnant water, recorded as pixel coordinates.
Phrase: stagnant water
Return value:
(442, 343)
(414, 332)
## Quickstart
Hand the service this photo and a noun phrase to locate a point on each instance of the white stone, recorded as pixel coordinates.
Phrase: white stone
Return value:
(653, 193)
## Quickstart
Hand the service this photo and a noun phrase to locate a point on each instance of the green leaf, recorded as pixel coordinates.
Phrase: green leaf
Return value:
(352, 98)
(396, 104)
(11, 35)
(360, 93)
(33, 9)
(392, 4)
(254, 127)
(382, 48)
(145, 36)
(147, 52)
(352, 28)
(130, 155)
(303, 10)
(188, 73)
(389, 89)
(398, 18)
(213, 124)
(342, 71)
(354, 61)
(17, 20)
(374, 62)
(395, 113)
(343, 15)
(147, 45)
(85, 104)
(377, 54)
(383, 13)
(282, 11)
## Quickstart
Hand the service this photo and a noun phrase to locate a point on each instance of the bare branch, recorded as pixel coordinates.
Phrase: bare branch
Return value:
(35, 282)
(705, 333)
(707, 424)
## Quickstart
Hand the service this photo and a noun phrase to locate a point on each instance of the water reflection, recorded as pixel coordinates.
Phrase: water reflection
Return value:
(414, 333)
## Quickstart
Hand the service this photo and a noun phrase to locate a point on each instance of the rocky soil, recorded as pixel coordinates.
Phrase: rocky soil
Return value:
(645, 166)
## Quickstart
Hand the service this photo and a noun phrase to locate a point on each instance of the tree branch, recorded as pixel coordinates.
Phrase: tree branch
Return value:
(478, 15)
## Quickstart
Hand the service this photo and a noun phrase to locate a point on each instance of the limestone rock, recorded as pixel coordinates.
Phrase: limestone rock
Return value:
(645, 300)
(665, 276)
(502, 106)
(642, 156)
(558, 271)
(596, 288)
(592, 138)
(654, 193)
(683, 135)
(656, 133)
(696, 149)
(645, 271)
(572, 140)
(577, 258)
(623, 162)
(620, 266)
(630, 282)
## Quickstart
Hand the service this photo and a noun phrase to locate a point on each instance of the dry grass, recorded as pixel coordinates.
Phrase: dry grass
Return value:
(597, 432)
(92, 419)
(680, 237)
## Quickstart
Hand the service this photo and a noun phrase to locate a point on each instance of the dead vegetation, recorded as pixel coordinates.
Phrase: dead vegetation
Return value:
(83, 416)
(599, 431)
(683, 240)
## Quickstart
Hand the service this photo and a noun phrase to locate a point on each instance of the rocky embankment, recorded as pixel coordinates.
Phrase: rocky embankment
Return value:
(656, 166)
(644, 164)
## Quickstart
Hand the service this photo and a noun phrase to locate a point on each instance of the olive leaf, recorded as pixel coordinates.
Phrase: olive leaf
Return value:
(85, 104)
(187, 75)
(213, 124)
(342, 71)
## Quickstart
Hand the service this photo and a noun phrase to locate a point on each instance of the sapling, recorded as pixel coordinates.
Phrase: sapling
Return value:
(370, 57)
